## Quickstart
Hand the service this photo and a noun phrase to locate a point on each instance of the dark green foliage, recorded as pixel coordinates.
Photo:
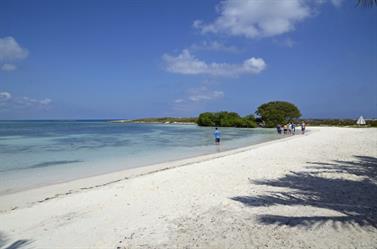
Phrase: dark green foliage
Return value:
(372, 123)
(206, 119)
(226, 119)
(250, 121)
(277, 112)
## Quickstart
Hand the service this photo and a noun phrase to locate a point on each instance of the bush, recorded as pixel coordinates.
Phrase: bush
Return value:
(206, 119)
(277, 112)
(226, 119)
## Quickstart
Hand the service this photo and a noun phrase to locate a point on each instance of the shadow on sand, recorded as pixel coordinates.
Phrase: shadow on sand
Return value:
(354, 200)
(15, 245)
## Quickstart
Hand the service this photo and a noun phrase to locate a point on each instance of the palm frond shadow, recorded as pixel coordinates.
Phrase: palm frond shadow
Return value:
(354, 200)
(18, 244)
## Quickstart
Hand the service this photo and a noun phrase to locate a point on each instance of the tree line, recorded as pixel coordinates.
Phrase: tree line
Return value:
(226, 119)
(268, 115)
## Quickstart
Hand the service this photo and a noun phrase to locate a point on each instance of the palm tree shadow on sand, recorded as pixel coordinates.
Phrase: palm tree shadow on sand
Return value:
(354, 200)
(18, 244)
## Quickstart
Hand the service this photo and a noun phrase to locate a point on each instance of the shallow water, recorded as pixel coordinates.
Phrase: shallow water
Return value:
(37, 153)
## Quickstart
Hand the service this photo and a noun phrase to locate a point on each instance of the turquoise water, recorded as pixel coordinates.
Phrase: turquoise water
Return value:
(36, 153)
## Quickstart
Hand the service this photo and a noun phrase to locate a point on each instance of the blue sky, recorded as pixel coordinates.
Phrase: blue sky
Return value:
(130, 59)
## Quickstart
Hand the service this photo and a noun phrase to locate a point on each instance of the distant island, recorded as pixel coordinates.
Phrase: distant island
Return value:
(268, 115)
(161, 120)
(194, 120)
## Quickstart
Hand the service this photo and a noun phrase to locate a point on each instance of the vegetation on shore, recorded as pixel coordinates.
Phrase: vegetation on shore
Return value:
(339, 122)
(258, 122)
(277, 112)
(268, 115)
(226, 119)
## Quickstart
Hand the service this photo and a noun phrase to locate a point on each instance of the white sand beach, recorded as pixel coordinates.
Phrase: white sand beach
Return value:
(317, 190)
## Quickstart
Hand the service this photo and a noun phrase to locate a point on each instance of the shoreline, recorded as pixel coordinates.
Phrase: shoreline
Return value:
(29, 197)
(81, 156)
(313, 191)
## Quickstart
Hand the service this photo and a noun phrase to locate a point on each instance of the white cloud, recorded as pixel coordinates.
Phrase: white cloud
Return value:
(185, 63)
(45, 101)
(286, 42)
(256, 19)
(179, 101)
(337, 3)
(5, 96)
(203, 94)
(198, 95)
(10, 50)
(214, 46)
(8, 67)
(27, 101)
(9, 102)
(207, 96)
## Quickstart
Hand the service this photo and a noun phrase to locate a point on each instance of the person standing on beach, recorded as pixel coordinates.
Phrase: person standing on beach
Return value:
(217, 135)
(293, 128)
(278, 128)
(303, 128)
(289, 128)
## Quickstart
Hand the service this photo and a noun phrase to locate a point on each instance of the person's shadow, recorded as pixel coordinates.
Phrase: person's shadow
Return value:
(355, 200)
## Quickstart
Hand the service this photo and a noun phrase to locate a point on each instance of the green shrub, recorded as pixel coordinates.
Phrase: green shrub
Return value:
(206, 119)
(226, 119)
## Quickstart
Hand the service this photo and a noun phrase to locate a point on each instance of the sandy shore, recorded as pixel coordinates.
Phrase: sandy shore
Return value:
(312, 191)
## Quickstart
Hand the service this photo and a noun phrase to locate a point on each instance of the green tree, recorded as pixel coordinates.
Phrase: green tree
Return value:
(206, 119)
(229, 119)
(249, 121)
(277, 112)
(226, 119)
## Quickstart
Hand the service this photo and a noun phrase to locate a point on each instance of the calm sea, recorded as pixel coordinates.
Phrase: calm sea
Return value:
(37, 153)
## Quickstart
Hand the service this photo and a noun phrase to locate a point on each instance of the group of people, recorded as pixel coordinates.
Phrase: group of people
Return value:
(290, 128)
(287, 129)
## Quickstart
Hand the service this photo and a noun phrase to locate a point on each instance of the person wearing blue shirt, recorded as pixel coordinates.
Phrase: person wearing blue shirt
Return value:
(217, 135)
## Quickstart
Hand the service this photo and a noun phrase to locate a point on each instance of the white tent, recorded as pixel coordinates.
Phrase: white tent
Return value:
(361, 121)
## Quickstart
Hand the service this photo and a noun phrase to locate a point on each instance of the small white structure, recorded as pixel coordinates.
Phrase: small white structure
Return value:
(361, 121)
